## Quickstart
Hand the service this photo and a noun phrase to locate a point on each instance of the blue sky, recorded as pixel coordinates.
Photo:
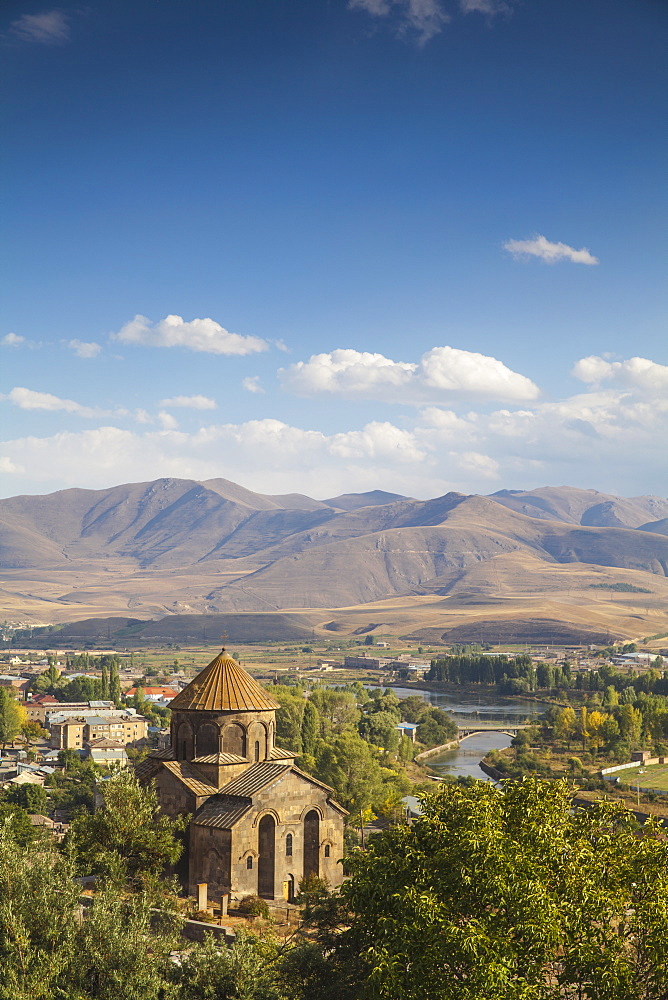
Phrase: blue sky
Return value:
(414, 245)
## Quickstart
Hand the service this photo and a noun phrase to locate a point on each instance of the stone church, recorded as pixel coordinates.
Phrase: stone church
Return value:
(259, 824)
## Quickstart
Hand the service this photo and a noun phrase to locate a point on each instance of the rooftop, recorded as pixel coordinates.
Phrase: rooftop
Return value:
(223, 686)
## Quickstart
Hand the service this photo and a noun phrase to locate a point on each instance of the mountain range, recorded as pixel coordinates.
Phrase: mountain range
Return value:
(181, 546)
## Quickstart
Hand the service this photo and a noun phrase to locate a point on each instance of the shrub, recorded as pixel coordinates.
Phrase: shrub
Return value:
(253, 906)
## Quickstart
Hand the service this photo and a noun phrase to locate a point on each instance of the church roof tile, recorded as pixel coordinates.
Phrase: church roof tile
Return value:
(255, 778)
(223, 686)
(191, 778)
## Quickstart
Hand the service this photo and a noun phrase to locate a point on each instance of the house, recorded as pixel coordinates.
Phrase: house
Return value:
(18, 683)
(106, 752)
(258, 824)
(155, 694)
(408, 729)
(41, 707)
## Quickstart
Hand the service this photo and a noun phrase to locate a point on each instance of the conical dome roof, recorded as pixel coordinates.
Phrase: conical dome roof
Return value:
(223, 686)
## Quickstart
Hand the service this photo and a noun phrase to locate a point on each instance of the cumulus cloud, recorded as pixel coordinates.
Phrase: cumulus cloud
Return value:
(441, 371)
(190, 402)
(419, 19)
(48, 28)
(610, 440)
(252, 384)
(12, 340)
(551, 253)
(29, 399)
(9, 467)
(203, 335)
(84, 349)
(635, 373)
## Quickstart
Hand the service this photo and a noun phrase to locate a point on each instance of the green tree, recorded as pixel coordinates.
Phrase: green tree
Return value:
(310, 728)
(412, 708)
(32, 798)
(436, 727)
(289, 717)
(105, 681)
(350, 766)
(337, 709)
(128, 837)
(511, 895)
(380, 728)
(114, 684)
(246, 971)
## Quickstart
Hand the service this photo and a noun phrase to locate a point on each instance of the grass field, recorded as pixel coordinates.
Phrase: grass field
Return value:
(652, 776)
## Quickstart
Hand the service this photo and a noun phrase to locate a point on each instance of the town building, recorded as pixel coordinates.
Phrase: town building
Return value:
(73, 732)
(43, 706)
(258, 823)
(106, 752)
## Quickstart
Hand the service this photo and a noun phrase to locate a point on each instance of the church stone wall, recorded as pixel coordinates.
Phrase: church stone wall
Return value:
(288, 801)
(174, 797)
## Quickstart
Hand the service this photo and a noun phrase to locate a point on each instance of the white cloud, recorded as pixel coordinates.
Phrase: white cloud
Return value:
(191, 402)
(377, 440)
(611, 440)
(29, 399)
(48, 28)
(252, 384)
(167, 421)
(635, 373)
(13, 340)
(551, 253)
(442, 371)
(84, 349)
(196, 335)
(421, 19)
(9, 467)
(477, 465)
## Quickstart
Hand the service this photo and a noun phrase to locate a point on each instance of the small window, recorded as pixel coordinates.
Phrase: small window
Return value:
(326, 850)
(257, 751)
(249, 862)
(288, 846)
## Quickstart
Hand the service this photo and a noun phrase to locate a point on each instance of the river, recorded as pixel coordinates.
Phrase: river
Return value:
(469, 709)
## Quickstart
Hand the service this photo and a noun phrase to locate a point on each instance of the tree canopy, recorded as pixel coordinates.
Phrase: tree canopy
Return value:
(508, 895)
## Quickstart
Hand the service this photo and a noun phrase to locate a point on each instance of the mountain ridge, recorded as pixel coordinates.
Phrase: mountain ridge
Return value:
(212, 546)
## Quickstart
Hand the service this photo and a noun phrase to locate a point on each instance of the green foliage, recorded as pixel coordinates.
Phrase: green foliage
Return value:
(246, 971)
(620, 588)
(289, 716)
(253, 906)
(337, 709)
(128, 837)
(412, 708)
(472, 668)
(15, 822)
(32, 798)
(380, 728)
(506, 896)
(352, 767)
(310, 730)
(436, 727)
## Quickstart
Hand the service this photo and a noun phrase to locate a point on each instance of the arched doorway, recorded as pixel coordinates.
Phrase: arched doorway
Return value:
(311, 843)
(265, 865)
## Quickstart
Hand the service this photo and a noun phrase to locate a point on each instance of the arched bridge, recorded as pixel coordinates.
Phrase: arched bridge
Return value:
(490, 727)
